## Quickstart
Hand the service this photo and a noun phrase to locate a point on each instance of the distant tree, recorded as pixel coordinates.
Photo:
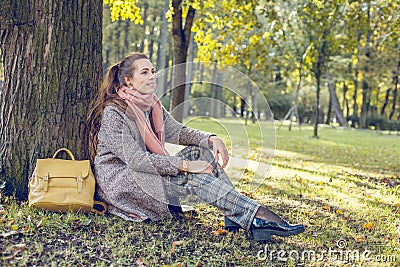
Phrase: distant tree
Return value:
(51, 51)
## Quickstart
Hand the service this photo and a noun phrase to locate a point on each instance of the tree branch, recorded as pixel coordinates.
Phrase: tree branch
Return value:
(177, 22)
(189, 23)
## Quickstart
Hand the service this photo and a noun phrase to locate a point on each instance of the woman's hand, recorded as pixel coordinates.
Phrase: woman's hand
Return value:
(196, 166)
(219, 149)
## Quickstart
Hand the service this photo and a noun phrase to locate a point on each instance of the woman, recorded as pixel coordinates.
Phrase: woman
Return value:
(139, 179)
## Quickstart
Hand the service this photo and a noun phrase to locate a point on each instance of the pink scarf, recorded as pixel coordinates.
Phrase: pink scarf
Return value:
(139, 103)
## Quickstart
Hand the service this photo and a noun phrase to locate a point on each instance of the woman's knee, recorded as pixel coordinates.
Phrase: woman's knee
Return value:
(193, 152)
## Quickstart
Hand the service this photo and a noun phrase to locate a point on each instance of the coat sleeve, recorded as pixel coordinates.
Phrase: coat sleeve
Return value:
(116, 137)
(177, 133)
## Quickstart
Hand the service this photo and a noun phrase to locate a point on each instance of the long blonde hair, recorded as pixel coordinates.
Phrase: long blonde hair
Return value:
(114, 79)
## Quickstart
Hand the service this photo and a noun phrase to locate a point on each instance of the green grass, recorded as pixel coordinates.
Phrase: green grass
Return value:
(344, 187)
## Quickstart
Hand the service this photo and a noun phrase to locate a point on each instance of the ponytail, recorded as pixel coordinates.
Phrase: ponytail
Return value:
(112, 77)
(107, 95)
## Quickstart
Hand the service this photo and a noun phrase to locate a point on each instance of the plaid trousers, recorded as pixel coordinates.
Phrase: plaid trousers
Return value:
(215, 189)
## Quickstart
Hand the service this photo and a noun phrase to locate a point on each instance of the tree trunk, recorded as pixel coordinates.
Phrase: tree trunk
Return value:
(336, 106)
(162, 51)
(395, 85)
(180, 38)
(213, 86)
(355, 119)
(386, 101)
(318, 77)
(365, 84)
(329, 113)
(127, 37)
(296, 97)
(144, 17)
(51, 52)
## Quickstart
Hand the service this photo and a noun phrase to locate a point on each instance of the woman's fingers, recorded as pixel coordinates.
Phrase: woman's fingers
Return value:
(219, 148)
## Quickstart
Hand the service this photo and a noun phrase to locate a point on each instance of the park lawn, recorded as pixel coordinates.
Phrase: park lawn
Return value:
(343, 186)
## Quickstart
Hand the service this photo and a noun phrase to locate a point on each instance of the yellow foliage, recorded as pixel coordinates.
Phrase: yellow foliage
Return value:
(124, 10)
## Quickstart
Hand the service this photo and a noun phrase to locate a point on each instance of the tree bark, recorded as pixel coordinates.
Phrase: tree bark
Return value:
(180, 38)
(336, 106)
(51, 52)
(355, 119)
(329, 112)
(318, 77)
(386, 101)
(144, 17)
(395, 89)
(365, 84)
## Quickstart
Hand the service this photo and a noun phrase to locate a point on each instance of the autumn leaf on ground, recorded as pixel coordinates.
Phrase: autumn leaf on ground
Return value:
(306, 212)
(247, 194)
(340, 212)
(369, 225)
(220, 232)
(360, 238)
(176, 243)
(326, 207)
(269, 187)
(222, 224)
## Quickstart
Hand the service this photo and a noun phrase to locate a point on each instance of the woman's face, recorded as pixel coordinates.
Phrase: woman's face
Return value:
(143, 79)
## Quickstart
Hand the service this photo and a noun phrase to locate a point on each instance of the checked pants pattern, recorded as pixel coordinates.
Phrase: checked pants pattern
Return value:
(215, 189)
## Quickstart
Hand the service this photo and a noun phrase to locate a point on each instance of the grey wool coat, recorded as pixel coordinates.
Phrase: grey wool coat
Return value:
(129, 178)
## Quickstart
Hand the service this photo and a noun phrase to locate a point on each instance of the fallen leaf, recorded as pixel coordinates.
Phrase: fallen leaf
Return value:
(222, 224)
(10, 222)
(340, 212)
(360, 238)
(326, 207)
(176, 243)
(14, 227)
(220, 232)
(369, 225)
(3, 212)
(247, 194)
